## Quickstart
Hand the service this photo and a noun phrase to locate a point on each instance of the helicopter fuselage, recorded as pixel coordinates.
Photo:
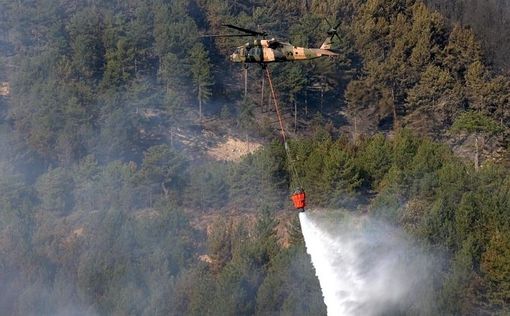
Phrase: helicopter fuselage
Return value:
(269, 51)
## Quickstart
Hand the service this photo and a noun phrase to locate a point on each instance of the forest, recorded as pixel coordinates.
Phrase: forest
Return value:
(105, 211)
(488, 19)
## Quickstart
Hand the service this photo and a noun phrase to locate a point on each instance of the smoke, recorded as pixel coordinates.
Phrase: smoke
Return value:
(366, 267)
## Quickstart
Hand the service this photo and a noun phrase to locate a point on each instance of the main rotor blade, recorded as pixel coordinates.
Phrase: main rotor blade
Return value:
(333, 31)
(331, 26)
(255, 33)
(227, 35)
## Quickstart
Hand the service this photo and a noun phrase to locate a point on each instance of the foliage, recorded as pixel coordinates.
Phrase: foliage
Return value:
(419, 73)
(99, 215)
(261, 179)
(53, 190)
(165, 167)
(208, 187)
(201, 74)
(327, 170)
(475, 122)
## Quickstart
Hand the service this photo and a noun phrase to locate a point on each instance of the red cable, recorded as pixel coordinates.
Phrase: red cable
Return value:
(291, 163)
(276, 106)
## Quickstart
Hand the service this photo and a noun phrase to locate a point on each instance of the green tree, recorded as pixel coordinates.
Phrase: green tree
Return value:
(495, 266)
(85, 177)
(246, 116)
(208, 188)
(298, 83)
(374, 159)
(461, 51)
(457, 292)
(434, 101)
(164, 167)
(362, 98)
(260, 179)
(85, 31)
(201, 74)
(55, 189)
(120, 61)
(289, 281)
(478, 124)
(116, 187)
(118, 137)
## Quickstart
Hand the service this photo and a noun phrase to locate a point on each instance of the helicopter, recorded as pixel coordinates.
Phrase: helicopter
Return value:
(264, 51)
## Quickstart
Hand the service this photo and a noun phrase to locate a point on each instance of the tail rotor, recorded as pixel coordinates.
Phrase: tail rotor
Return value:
(333, 31)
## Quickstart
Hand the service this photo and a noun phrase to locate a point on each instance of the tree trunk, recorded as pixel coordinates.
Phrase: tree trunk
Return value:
(322, 98)
(172, 137)
(164, 188)
(245, 83)
(477, 154)
(202, 199)
(247, 142)
(200, 103)
(355, 136)
(306, 103)
(295, 116)
(262, 93)
(395, 118)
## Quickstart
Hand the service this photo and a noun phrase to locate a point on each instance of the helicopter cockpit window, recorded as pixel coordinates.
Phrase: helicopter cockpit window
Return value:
(274, 44)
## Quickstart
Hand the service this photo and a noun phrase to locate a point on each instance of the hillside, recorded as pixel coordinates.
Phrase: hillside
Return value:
(139, 178)
(489, 20)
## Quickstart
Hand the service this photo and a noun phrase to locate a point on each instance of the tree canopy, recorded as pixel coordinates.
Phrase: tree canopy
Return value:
(110, 204)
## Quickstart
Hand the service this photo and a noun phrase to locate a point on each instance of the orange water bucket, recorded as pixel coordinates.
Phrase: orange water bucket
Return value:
(299, 199)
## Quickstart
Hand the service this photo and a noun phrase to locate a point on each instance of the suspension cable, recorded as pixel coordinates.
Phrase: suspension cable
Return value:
(277, 108)
(282, 130)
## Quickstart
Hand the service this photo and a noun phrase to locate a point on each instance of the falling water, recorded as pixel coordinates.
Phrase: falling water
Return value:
(366, 267)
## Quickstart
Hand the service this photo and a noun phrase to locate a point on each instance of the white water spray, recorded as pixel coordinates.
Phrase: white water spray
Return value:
(366, 267)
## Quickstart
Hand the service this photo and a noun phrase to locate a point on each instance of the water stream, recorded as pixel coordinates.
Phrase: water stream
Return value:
(366, 267)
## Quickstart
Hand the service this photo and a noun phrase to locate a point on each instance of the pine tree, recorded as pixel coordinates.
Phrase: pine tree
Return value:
(434, 101)
(462, 50)
(85, 31)
(478, 124)
(495, 266)
(202, 75)
(164, 167)
(54, 188)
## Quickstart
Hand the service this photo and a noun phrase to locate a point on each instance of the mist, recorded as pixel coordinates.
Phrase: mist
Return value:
(113, 173)
(367, 267)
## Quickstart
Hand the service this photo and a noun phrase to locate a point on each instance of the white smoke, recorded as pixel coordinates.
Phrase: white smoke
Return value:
(366, 267)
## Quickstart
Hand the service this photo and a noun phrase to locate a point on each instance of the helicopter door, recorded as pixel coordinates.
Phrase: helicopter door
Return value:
(255, 54)
(268, 54)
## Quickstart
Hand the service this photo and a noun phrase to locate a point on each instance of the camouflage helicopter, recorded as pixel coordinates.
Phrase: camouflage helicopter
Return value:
(264, 51)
